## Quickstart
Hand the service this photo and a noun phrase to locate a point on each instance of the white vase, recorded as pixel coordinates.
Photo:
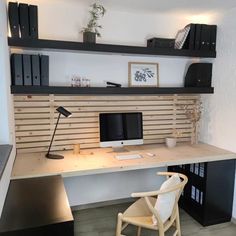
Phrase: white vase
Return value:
(171, 142)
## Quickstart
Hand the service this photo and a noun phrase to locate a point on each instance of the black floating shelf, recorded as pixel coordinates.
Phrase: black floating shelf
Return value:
(43, 44)
(106, 91)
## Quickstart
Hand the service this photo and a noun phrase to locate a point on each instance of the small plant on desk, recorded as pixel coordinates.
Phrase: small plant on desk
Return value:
(172, 140)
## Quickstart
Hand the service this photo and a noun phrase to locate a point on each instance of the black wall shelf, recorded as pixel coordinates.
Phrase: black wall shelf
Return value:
(43, 44)
(106, 91)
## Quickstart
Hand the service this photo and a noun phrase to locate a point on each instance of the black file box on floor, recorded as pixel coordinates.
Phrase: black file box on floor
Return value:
(208, 195)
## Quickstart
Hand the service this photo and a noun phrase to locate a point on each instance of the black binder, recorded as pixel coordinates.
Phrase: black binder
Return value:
(192, 36)
(24, 20)
(35, 69)
(198, 30)
(190, 40)
(44, 69)
(205, 38)
(27, 70)
(33, 21)
(213, 37)
(16, 69)
(13, 19)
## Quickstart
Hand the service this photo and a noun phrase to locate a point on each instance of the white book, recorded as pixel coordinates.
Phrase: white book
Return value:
(193, 192)
(197, 195)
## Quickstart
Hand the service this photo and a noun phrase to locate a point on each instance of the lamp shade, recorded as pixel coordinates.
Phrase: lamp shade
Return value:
(64, 112)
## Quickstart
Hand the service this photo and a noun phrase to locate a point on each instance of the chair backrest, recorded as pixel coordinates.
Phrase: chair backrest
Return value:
(177, 189)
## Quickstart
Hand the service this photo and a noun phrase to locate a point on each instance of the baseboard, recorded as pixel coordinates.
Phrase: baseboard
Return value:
(102, 204)
(233, 220)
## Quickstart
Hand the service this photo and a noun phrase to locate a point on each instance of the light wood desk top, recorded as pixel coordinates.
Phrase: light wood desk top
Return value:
(102, 160)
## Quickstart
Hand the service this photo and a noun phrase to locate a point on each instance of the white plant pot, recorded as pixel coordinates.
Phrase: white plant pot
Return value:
(171, 142)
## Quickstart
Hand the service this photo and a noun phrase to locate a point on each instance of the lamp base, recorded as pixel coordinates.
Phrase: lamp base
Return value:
(54, 156)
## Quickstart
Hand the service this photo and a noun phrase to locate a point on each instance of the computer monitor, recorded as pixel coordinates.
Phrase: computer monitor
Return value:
(119, 129)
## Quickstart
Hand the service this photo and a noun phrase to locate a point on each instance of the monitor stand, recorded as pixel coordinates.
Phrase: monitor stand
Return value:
(119, 149)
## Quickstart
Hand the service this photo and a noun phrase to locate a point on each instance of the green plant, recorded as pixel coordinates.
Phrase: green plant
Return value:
(97, 11)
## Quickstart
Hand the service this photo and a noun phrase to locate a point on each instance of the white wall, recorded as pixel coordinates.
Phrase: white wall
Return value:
(112, 186)
(219, 117)
(6, 108)
(6, 135)
(63, 20)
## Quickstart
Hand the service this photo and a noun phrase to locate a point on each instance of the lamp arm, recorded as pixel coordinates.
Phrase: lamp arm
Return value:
(54, 133)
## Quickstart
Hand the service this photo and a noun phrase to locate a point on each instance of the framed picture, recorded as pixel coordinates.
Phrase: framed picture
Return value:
(143, 74)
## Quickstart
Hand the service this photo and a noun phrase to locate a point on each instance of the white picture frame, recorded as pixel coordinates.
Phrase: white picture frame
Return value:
(143, 74)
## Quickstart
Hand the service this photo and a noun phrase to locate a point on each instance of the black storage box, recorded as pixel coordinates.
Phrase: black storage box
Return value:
(199, 75)
(160, 43)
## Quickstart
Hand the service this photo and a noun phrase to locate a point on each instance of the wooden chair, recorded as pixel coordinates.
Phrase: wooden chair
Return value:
(140, 212)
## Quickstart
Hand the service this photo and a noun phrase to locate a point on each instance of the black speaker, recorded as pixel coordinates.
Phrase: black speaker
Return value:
(199, 75)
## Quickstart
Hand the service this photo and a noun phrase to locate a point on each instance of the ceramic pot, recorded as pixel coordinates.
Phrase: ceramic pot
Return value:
(171, 142)
(89, 37)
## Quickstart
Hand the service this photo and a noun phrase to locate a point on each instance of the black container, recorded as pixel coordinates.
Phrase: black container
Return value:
(199, 75)
(208, 195)
(160, 43)
(89, 37)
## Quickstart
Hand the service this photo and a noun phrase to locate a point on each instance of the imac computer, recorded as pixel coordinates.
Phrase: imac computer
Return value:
(120, 129)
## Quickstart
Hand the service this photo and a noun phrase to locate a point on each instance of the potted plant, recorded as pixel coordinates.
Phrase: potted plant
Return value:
(172, 140)
(92, 29)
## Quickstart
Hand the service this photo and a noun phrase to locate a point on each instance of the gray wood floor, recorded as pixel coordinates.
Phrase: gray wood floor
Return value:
(101, 221)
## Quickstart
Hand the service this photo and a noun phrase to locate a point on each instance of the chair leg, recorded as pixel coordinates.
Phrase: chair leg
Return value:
(139, 231)
(178, 223)
(161, 233)
(119, 225)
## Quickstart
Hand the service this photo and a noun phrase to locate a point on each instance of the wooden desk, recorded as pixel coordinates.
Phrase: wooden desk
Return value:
(98, 161)
(36, 206)
(102, 160)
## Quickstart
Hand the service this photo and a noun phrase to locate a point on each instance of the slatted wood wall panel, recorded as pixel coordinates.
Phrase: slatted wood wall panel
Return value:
(35, 117)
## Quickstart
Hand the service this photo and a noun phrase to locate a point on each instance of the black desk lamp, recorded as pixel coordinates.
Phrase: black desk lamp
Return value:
(64, 112)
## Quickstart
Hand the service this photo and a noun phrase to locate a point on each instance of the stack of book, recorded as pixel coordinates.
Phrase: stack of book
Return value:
(197, 37)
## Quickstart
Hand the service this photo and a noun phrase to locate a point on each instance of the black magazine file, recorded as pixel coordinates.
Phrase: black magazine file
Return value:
(199, 75)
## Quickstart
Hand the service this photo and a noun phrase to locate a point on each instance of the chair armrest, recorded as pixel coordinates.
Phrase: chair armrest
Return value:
(159, 192)
(179, 186)
(168, 174)
(145, 194)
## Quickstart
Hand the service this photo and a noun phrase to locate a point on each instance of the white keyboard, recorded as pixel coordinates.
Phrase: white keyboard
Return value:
(128, 156)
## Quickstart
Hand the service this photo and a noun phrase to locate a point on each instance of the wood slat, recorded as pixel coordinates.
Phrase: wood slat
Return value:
(58, 137)
(113, 103)
(122, 98)
(60, 126)
(35, 118)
